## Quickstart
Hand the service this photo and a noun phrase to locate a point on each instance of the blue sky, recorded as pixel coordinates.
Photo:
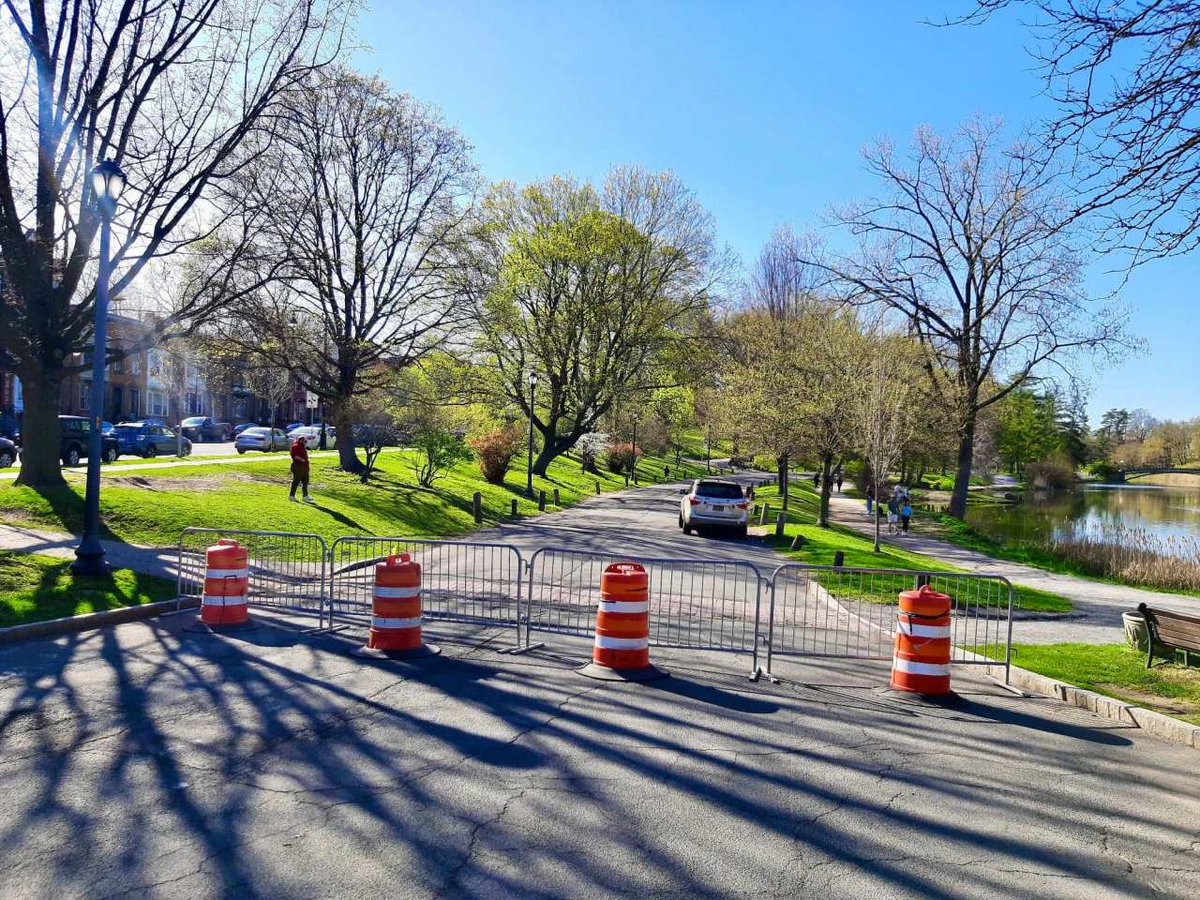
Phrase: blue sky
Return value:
(762, 108)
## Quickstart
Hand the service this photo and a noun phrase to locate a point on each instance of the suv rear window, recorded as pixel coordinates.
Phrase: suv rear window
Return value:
(719, 490)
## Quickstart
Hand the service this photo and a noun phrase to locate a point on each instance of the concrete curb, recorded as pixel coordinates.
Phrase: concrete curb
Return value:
(1161, 726)
(92, 621)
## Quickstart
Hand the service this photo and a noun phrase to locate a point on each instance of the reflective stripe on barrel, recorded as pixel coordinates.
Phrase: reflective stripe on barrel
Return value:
(622, 618)
(226, 583)
(921, 652)
(396, 605)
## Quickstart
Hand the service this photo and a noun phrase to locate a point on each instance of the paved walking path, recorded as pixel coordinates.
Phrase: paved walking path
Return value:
(187, 462)
(147, 560)
(1098, 604)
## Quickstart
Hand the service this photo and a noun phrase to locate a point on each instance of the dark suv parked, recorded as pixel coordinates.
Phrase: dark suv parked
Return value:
(205, 428)
(73, 434)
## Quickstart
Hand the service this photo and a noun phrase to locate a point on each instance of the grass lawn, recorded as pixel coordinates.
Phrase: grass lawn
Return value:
(34, 588)
(153, 506)
(820, 544)
(1119, 671)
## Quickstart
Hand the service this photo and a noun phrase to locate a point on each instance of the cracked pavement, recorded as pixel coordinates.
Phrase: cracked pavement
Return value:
(149, 761)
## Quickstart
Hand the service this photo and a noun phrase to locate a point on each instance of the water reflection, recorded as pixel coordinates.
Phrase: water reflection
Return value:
(1162, 511)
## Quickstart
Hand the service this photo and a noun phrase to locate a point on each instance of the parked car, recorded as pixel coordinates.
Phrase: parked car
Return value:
(710, 502)
(238, 429)
(107, 427)
(312, 436)
(8, 453)
(148, 440)
(264, 439)
(73, 435)
(292, 426)
(205, 428)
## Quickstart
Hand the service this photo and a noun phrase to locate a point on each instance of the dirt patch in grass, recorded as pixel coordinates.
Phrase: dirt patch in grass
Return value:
(172, 485)
(1175, 706)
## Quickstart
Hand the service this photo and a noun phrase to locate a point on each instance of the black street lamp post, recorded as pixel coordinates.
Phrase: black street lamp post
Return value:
(633, 455)
(529, 465)
(107, 181)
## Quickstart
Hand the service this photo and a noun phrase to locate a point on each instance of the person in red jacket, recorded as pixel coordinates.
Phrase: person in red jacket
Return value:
(299, 469)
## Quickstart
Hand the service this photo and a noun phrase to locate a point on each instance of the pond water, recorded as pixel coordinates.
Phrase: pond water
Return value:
(1163, 512)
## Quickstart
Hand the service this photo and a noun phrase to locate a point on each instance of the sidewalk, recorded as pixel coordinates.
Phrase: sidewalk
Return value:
(1098, 604)
(188, 462)
(162, 562)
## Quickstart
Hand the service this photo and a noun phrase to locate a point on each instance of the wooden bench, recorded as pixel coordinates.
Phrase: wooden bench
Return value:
(1168, 631)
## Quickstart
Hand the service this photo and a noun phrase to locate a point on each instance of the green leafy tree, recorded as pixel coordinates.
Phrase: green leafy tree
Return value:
(593, 290)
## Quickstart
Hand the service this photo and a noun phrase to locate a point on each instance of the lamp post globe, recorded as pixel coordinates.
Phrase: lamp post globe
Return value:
(108, 181)
(533, 380)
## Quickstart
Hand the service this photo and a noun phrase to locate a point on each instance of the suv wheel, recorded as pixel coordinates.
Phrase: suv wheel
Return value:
(150, 452)
(687, 528)
(71, 457)
(6, 459)
(109, 455)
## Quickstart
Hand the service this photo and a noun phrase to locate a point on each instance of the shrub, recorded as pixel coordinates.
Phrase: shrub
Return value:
(741, 462)
(1054, 472)
(590, 446)
(437, 451)
(621, 457)
(496, 450)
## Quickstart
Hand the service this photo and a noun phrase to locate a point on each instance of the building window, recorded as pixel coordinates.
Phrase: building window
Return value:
(119, 366)
(156, 404)
(134, 399)
(85, 394)
(135, 364)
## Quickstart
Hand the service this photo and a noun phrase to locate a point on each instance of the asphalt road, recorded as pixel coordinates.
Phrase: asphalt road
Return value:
(148, 760)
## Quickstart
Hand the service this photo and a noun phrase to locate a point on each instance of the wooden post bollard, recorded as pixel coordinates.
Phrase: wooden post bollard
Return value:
(556, 503)
(798, 542)
(477, 507)
(839, 558)
(597, 487)
(541, 501)
(514, 507)
(766, 512)
(780, 521)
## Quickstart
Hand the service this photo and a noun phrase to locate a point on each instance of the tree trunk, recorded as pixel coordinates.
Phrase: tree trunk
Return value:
(962, 477)
(826, 470)
(784, 481)
(41, 465)
(347, 456)
(875, 512)
(552, 448)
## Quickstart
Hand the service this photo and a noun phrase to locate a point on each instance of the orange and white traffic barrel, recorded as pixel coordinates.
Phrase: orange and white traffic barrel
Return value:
(226, 582)
(396, 610)
(921, 654)
(621, 650)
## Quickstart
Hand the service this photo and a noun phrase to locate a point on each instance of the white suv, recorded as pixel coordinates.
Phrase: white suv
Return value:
(713, 503)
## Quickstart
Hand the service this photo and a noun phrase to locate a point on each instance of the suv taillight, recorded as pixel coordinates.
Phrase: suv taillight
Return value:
(742, 505)
(695, 501)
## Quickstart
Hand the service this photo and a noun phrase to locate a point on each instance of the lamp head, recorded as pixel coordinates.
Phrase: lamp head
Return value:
(533, 378)
(108, 181)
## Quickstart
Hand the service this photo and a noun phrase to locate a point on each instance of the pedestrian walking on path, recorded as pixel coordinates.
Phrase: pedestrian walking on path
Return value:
(893, 519)
(905, 514)
(300, 469)
(838, 482)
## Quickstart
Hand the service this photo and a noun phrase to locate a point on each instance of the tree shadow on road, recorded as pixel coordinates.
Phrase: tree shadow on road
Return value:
(248, 767)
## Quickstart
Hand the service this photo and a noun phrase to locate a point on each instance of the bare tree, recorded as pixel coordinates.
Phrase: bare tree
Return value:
(969, 245)
(271, 383)
(170, 91)
(594, 290)
(363, 194)
(1126, 76)
(879, 419)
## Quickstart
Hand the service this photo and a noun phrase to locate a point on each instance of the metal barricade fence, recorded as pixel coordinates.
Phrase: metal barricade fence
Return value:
(851, 612)
(705, 604)
(460, 580)
(286, 570)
